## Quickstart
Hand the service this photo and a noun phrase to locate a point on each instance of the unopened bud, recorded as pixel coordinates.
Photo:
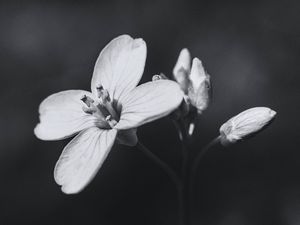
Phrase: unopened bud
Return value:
(161, 76)
(182, 70)
(245, 124)
(200, 88)
(183, 62)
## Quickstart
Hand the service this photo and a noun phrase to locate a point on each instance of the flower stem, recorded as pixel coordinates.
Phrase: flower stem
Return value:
(170, 172)
(183, 192)
(201, 155)
(196, 162)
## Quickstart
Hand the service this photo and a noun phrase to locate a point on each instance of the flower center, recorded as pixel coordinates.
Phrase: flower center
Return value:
(102, 108)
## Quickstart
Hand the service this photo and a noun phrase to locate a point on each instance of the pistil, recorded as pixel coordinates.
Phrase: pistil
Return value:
(90, 108)
(111, 121)
(106, 101)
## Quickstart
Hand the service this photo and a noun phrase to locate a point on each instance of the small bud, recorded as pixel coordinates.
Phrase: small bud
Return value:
(161, 76)
(183, 62)
(245, 124)
(195, 84)
(200, 89)
(182, 69)
(198, 74)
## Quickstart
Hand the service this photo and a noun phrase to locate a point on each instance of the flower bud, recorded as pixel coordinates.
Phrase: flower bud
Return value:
(183, 62)
(182, 69)
(200, 89)
(246, 123)
(195, 84)
(161, 76)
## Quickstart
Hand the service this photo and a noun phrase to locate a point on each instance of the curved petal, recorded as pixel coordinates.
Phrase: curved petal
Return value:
(61, 115)
(148, 102)
(82, 158)
(120, 66)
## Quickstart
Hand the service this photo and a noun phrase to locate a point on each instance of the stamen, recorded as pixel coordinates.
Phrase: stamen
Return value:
(88, 110)
(105, 96)
(161, 76)
(111, 121)
(102, 108)
(106, 102)
(87, 100)
(191, 128)
(99, 90)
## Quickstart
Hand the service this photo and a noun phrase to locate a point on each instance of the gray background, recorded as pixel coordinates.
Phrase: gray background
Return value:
(251, 49)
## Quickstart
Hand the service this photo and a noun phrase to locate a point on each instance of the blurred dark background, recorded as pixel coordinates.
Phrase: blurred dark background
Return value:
(251, 49)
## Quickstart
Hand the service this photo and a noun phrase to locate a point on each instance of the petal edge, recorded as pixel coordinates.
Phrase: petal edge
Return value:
(82, 158)
(148, 102)
(120, 66)
(61, 115)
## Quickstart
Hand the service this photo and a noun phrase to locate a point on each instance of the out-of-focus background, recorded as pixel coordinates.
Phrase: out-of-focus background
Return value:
(251, 49)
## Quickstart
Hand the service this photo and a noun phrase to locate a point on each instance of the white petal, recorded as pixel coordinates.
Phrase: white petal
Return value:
(183, 62)
(148, 102)
(61, 115)
(198, 74)
(82, 158)
(120, 66)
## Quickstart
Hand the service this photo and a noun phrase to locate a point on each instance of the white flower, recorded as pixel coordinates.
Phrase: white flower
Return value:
(246, 123)
(111, 111)
(194, 81)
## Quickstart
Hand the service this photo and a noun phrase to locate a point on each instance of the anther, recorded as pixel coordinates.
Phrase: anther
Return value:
(88, 110)
(161, 76)
(99, 87)
(99, 90)
(156, 77)
(110, 121)
(87, 100)
(105, 96)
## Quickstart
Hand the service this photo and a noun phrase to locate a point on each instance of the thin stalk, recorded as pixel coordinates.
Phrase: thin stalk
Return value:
(171, 173)
(196, 163)
(185, 174)
(202, 153)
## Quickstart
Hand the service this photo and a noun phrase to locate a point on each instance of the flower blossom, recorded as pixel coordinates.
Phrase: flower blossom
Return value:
(112, 111)
(245, 124)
